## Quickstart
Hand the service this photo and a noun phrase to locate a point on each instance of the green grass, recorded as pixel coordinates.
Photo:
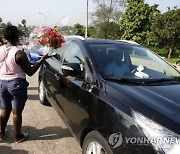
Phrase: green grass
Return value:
(164, 53)
(172, 60)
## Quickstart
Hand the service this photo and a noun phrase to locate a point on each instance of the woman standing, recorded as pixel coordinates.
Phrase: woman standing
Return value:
(13, 84)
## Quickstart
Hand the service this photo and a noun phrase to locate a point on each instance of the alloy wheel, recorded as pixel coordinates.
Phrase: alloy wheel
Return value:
(41, 91)
(95, 148)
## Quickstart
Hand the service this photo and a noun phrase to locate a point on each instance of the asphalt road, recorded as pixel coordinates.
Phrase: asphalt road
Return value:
(47, 132)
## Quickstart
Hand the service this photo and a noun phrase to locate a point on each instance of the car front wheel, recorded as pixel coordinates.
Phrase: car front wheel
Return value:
(94, 143)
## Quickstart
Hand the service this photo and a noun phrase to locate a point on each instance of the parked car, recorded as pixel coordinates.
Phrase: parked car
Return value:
(134, 112)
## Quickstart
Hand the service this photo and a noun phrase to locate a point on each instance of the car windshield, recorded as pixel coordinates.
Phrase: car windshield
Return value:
(123, 61)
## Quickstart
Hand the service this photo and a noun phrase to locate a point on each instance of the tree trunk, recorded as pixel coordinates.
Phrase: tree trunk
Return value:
(170, 52)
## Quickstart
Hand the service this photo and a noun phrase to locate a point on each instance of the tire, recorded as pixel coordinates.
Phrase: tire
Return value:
(95, 139)
(42, 94)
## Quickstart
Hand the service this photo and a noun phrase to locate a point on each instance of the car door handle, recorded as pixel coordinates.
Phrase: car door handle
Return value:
(57, 76)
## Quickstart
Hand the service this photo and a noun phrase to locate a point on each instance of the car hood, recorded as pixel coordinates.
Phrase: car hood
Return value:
(160, 103)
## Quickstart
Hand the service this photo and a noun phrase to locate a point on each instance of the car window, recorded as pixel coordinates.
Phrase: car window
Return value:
(139, 57)
(130, 61)
(106, 54)
(152, 64)
(74, 54)
(59, 52)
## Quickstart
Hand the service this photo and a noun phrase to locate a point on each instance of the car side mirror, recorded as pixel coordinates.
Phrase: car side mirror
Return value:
(72, 69)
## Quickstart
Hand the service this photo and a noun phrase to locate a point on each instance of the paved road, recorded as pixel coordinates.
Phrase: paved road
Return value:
(48, 133)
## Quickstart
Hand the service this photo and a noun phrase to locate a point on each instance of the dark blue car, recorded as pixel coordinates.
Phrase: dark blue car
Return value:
(116, 97)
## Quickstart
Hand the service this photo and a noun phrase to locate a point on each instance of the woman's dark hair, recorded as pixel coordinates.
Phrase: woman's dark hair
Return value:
(11, 34)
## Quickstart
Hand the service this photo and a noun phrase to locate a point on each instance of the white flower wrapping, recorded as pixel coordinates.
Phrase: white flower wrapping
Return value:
(47, 50)
(35, 54)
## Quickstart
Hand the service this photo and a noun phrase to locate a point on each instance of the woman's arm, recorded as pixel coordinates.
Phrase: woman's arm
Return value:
(22, 60)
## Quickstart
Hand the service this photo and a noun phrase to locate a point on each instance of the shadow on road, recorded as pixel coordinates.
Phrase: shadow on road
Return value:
(7, 149)
(33, 97)
(47, 133)
(32, 88)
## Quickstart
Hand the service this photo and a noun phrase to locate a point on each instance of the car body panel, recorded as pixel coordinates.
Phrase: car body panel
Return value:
(92, 103)
(159, 103)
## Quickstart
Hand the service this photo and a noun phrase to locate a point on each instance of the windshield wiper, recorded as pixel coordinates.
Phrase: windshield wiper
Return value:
(161, 80)
(123, 80)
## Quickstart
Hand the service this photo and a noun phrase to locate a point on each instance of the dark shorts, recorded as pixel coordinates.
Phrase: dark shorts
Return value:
(13, 93)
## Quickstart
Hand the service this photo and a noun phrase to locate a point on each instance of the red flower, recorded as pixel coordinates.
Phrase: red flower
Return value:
(58, 37)
(58, 45)
(51, 37)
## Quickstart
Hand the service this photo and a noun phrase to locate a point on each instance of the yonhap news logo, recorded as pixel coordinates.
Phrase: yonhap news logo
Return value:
(153, 140)
(116, 140)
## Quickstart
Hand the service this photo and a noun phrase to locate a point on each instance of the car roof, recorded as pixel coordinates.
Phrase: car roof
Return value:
(97, 40)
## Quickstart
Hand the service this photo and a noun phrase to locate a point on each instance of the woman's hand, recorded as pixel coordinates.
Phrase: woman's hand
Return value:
(46, 56)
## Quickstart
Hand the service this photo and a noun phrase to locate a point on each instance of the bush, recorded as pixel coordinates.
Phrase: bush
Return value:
(164, 51)
(159, 51)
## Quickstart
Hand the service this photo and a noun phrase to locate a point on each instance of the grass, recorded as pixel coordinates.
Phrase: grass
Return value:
(172, 60)
(163, 52)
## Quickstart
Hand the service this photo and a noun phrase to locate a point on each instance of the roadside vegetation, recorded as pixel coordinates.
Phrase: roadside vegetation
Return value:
(131, 20)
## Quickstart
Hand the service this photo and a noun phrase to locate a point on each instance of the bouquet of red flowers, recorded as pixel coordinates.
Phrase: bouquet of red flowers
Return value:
(51, 37)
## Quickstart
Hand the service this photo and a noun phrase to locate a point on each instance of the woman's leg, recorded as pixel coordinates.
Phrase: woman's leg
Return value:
(5, 113)
(18, 90)
(17, 121)
(5, 100)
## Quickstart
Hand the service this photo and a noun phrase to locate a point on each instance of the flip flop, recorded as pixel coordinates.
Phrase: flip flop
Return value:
(25, 136)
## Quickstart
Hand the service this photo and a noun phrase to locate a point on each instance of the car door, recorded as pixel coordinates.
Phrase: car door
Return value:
(51, 77)
(80, 94)
(71, 86)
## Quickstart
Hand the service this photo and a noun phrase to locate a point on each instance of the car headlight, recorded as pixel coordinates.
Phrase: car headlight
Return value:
(161, 138)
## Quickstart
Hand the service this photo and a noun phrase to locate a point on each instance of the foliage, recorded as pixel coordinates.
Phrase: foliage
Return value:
(80, 29)
(105, 19)
(92, 32)
(23, 29)
(68, 30)
(172, 60)
(137, 20)
(166, 29)
(160, 51)
(1, 27)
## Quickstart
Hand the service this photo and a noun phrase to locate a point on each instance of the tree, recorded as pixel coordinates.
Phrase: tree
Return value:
(80, 29)
(68, 30)
(92, 32)
(20, 28)
(166, 29)
(137, 21)
(23, 29)
(107, 14)
(24, 23)
(2, 25)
